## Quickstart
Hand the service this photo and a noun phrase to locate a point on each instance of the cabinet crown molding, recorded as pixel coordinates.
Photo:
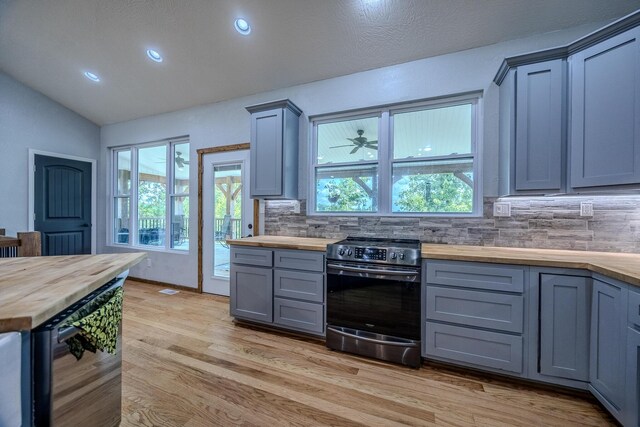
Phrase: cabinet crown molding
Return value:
(563, 52)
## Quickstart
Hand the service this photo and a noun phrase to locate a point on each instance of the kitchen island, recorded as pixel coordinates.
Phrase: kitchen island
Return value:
(32, 291)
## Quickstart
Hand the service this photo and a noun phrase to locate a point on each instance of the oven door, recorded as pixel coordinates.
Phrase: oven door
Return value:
(373, 298)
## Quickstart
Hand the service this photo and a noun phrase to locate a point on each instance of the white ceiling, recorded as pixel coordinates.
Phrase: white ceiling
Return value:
(49, 44)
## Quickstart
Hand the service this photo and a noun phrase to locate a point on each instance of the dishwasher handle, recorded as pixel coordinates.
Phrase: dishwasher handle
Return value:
(71, 331)
(68, 332)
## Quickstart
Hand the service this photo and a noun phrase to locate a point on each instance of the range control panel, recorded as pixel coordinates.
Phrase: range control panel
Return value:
(371, 253)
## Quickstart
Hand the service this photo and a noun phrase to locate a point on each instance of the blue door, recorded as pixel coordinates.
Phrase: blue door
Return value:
(62, 205)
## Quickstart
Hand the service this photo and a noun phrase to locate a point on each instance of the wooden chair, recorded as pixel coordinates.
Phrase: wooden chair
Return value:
(25, 244)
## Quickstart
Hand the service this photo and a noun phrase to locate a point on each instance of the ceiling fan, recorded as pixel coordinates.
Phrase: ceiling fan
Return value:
(180, 161)
(359, 142)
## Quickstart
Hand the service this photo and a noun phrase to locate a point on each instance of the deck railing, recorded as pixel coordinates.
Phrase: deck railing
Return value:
(236, 228)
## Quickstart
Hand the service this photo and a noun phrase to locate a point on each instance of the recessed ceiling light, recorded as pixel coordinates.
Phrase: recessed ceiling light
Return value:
(91, 76)
(242, 26)
(154, 55)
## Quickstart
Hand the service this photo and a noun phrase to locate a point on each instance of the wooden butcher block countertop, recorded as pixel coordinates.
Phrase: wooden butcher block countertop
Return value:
(624, 267)
(285, 242)
(34, 289)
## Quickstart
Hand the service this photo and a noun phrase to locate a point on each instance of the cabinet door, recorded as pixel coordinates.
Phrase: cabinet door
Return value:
(632, 405)
(608, 336)
(539, 127)
(266, 153)
(564, 326)
(605, 112)
(252, 293)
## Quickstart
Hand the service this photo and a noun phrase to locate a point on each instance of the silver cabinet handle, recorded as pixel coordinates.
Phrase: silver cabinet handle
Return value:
(372, 270)
(373, 340)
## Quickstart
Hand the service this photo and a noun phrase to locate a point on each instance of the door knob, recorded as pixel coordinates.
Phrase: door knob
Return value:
(250, 226)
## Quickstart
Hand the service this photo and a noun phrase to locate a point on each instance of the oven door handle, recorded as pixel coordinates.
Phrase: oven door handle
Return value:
(373, 340)
(375, 271)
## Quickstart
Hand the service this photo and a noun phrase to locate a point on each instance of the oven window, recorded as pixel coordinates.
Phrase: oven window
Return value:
(386, 307)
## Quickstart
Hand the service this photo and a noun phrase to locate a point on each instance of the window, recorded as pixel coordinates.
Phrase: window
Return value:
(418, 159)
(151, 195)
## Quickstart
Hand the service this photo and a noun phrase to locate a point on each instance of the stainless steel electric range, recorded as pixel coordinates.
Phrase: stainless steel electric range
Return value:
(373, 298)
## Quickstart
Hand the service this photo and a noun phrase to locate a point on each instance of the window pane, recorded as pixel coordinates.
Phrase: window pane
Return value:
(348, 141)
(122, 220)
(437, 186)
(347, 189)
(123, 166)
(152, 193)
(434, 132)
(180, 222)
(181, 159)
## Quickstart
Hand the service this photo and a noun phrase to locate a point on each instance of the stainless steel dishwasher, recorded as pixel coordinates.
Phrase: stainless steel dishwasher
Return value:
(70, 392)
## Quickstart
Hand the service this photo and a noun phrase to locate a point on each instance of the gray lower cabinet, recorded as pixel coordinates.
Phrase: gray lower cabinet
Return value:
(475, 314)
(608, 344)
(605, 112)
(631, 409)
(299, 315)
(476, 347)
(251, 295)
(274, 150)
(286, 290)
(564, 326)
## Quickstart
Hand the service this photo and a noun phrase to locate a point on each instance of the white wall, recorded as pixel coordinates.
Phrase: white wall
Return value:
(29, 119)
(228, 122)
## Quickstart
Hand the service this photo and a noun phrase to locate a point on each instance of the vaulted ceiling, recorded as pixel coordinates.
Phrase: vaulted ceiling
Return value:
(48, 45)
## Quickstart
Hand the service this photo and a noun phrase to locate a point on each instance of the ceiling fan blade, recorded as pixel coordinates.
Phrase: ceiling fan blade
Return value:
(186, 162)
(354, 150)
(353, 140)
(338, 146)
(373, 147)
(371, 142)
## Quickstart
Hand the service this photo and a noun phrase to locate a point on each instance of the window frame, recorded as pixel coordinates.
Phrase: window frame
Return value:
(170, 194)
(385, 160)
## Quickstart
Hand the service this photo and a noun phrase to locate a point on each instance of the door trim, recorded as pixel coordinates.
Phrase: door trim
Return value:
(31, 186)
(256, 203)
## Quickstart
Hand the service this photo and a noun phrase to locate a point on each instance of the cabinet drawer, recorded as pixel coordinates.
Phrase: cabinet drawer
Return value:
(299, 284)
(475, 275)
(503, 312)
(634, 308)
(302, 316)
(251, 256)
(482, 348)
(299, 260)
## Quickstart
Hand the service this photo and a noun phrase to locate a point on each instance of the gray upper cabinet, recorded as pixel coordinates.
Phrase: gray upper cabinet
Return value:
(608, 344)
(540, 143)
(605, 112)
(274, 150)
(533, 128)
(570, 116)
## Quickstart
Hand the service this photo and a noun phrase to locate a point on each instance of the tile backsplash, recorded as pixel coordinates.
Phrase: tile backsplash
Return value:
(535, 222)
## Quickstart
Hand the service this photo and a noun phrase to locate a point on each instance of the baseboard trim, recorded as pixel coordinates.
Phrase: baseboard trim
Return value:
(163, 284)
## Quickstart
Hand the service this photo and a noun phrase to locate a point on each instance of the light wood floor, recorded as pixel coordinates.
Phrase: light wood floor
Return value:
(187, 364)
